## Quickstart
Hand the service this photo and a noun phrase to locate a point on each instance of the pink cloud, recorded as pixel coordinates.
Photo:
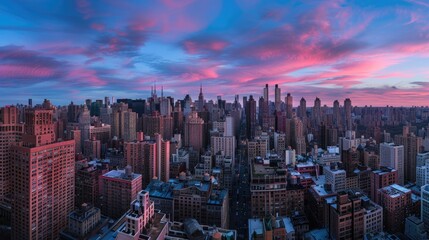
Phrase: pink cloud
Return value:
(19, 71)
(199, 46)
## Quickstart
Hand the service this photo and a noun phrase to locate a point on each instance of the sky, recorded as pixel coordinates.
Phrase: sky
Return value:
(374, 52)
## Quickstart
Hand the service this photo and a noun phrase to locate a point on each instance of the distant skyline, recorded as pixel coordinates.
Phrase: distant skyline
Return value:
(374, 52)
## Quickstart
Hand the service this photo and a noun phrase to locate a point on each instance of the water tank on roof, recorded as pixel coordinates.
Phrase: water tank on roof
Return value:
(129, 171)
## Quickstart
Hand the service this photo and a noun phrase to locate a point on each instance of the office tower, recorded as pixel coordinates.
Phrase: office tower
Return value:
(10, 133)
(302, 109)
(165, 108)
(30, 102)
(396, 202)
(119, 188)
(73, 112)
(88, 103)
(84, 124)
(92, 148)
(335, 177)
(194, 136)
(87, 183)
(348, 114)
(201, 101)
(250, 118)
(266, 93)
(316, 115)
(289, 105)
(392, 156)
(346, 217)
(178, 118)
(336, 116)
(425, 205)
(43, 179)
(277, 98)
(381, 178)
(106, 102)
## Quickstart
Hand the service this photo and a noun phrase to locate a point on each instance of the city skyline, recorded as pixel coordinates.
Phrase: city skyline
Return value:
(374, 53)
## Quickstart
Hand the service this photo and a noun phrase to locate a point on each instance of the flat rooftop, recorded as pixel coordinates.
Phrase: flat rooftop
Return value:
(120, 174)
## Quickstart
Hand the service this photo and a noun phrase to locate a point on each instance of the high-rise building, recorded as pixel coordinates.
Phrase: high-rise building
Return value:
(194, 132)
(302, 109)
(43, 180)
(289, 105)
(251, 121)
(335, 177)
(381, 178)
(336, 117)
(163, 158)
(412, 146)
(425, 205)
(150, 157)
(10, 133)
(84, 125)
(92, 148)
(266, 93)
(119, 188)
(223, 145)
(277, 98)
(124, 122)
(348, 114)
(392, 156)
(346, 217)
(87, 182)
(316, 115)
(396, 202)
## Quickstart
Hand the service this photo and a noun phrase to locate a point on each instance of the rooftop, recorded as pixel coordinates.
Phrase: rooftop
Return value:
(120, 174)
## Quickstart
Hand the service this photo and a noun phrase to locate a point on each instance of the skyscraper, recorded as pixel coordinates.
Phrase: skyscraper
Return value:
(317, 112)
(336, 113)
(277, 98)
(194, 135)
(302, 110)
(289, 105)
(10, 133)
(266, 93)
(392, 155)
(43, 179)
(348, 114)
(251, 118)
